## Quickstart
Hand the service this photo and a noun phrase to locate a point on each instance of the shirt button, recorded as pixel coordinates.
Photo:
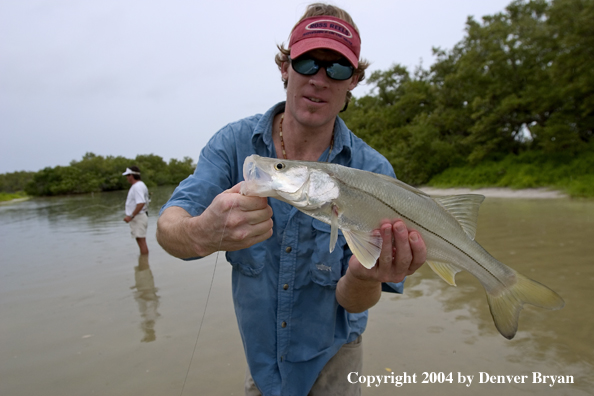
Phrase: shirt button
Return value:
(288, 249)
(286, 286)
(284, 324)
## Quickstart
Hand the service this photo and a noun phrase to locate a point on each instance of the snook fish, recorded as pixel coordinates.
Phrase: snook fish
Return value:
(357, 201)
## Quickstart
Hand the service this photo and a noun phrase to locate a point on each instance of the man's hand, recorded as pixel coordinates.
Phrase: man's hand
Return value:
(231, 222)
(403, 252)
(237, 221)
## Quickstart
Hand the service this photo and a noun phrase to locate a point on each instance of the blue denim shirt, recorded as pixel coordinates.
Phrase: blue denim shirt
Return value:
(283, 288)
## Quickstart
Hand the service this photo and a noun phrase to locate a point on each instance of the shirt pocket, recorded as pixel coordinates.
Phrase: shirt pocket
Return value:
(326, 267)
(249, 262)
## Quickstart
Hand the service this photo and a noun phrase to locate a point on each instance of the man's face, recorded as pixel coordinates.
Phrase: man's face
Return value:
(130, 178)
(317, 99)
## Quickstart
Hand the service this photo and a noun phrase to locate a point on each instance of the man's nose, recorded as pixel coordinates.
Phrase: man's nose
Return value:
(320, 79)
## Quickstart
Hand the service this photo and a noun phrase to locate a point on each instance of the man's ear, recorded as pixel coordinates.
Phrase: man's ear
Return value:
(285, 70)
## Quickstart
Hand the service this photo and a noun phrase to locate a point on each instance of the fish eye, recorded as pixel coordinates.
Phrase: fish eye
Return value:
(279, 166)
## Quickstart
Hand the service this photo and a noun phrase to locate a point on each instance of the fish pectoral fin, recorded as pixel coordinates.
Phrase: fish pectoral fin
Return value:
(464, 208)
(333, 227)
(506, 303)
(446, 271)
(365, 246)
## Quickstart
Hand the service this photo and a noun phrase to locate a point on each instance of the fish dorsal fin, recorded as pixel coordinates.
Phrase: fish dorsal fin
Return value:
(446, 271)
(365, 246)
(464, 208)
(401, 184)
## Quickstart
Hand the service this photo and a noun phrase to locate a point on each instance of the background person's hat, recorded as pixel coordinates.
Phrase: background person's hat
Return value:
(130, 172)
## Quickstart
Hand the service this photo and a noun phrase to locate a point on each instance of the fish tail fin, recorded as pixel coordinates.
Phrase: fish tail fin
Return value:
(506, 304)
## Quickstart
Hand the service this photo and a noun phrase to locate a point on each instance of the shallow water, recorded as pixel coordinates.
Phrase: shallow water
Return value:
(82, 315)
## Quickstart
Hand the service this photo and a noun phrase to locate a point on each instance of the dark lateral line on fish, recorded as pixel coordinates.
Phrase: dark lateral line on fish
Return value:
(426, 229)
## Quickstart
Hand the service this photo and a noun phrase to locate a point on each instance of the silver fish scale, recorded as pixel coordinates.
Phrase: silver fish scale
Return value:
(373, 199)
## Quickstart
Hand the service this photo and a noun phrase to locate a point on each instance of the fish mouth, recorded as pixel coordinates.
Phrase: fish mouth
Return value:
(257, 181)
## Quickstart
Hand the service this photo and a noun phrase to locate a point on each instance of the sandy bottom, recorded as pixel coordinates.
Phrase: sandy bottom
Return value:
(82, 314)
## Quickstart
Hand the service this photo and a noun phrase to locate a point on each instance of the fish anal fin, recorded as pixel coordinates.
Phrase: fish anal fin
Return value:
(446, 271)
(464, 208)
(505, 304)
(365, 246)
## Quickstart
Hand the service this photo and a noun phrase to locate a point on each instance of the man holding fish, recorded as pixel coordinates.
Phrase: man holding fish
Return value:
(301, 308)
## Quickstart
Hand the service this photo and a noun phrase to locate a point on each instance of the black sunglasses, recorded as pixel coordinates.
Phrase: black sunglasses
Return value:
(337, 70)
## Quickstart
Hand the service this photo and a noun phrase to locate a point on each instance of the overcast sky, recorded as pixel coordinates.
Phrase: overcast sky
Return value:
(128, 77)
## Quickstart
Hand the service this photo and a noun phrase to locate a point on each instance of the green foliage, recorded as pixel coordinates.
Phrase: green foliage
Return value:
(397, 122)
(97, 173)
(570, 173)
(180, 170)
(15, 181)
(520, 81)
(10, 196)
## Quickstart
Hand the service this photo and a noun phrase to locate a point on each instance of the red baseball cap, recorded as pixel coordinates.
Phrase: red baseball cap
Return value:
(326, 32)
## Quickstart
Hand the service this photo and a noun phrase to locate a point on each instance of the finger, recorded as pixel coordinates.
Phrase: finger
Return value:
(247, 235)
(404, 254)
(235, 189)
(419, 251)
(240, 219)
(263, 230)
(257, 216)
(232, 199)
(244, 202)
(248, 204)
(384, 265)
(255, 239)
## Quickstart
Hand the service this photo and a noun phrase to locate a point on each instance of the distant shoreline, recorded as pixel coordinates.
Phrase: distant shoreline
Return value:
(491, 192)
(497, 192)
(14, 200)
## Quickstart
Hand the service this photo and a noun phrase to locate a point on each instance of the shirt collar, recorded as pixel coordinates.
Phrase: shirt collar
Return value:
(342, 135)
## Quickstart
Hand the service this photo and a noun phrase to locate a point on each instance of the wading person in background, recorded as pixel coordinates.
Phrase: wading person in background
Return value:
(136, 207)
(301, 309)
